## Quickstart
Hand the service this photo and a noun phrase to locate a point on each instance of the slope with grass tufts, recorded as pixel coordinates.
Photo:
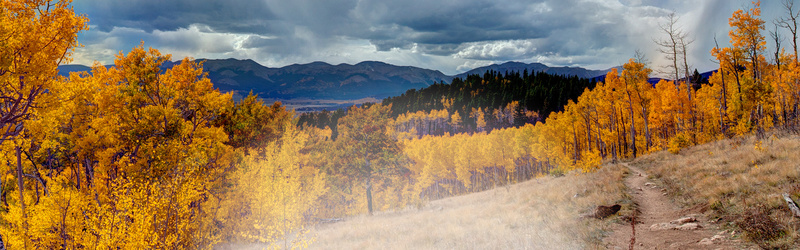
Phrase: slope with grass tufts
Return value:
(739, 184)
(732, 188)
(538, 214)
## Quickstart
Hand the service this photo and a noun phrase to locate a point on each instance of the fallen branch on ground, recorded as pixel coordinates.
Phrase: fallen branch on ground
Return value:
(792, 205)
(331, 220)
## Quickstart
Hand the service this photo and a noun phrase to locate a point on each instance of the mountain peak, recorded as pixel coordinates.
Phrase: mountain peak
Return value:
(372, 63)
(318, 64)
(512, 66)
(321, 80)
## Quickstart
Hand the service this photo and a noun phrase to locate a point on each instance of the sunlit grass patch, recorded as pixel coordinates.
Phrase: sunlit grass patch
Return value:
(542, 213)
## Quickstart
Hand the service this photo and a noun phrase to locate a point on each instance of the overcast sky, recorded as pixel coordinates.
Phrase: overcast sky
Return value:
(450, 35)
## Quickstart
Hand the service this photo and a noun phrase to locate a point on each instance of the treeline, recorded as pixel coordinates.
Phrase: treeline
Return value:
(626, 116)
(481, 103)
(539, 92)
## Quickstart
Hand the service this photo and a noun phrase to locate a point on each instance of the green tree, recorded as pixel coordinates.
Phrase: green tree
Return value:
(252, 124)
(364, 141)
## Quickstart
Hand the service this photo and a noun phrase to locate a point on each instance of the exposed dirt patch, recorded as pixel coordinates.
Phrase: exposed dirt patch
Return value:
(660, 224)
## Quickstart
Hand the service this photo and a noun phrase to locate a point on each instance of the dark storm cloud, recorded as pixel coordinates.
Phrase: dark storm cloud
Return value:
(446, 22)
(386, 24)
(237, 16)
(566, 32)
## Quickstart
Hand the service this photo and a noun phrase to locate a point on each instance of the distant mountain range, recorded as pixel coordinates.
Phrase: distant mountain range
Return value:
(536, 67)
(323, 81)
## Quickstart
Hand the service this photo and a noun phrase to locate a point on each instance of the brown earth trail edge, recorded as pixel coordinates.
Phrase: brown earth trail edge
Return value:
(660, 224)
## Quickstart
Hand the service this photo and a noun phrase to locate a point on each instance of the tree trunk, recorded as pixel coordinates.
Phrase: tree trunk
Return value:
(648, 138)
(369, 196)
(633, 124)
(20, 185)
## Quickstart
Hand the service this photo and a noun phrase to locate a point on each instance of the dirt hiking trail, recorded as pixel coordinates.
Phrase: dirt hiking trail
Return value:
(660, 224)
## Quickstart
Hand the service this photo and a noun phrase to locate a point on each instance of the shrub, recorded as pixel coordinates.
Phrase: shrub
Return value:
(678, 142)
(759, 226)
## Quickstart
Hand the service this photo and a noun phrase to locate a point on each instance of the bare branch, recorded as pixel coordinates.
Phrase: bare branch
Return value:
(790, 22)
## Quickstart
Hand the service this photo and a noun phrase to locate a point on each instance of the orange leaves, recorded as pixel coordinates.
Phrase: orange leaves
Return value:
(747, 29)
(35, 40)
(137, 147)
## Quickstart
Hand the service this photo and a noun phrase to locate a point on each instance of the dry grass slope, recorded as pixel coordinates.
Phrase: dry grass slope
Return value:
(538, 214)
(740, 182)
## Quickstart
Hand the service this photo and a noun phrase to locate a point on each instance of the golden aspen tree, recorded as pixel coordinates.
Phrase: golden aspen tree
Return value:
(148, 155)
(272, 193)
(464, 159)
(37, 36)
(455, 121)
(620, 91)
(607, 121)
(638, 91)
(480, 120)
(587, 112)
(746, 36)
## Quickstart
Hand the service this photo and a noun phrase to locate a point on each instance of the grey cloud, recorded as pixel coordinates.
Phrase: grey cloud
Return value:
(433, 27)
(446, 22)
(222, 16)
(566, 32)
(255, 41)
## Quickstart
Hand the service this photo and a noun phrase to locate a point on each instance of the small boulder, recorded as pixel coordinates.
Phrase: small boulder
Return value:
(706, 241)
(684, 220)
(602, 212)
(689, 226)
(662, 226)
(712, 240)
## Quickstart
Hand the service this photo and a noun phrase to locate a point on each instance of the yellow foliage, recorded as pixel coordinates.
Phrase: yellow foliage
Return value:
(678, 142)
(272, 192)
(590, 161)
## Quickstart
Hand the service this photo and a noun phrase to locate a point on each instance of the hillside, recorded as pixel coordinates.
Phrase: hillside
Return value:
(724, 186)
(319, 80)
(323, 81)
(316, 80)
(540, 214)
(737, 183)
(534, 67)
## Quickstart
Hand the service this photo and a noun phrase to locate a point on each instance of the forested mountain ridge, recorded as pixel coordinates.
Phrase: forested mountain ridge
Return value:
(535, 67)
(316, 80)
(323, 81)
(477, 103)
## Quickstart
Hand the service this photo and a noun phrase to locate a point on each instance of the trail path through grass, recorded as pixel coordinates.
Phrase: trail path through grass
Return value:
(660, 224)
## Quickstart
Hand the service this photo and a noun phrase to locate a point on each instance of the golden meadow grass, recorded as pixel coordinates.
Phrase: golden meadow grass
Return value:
(538, 214)
(728, 178)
